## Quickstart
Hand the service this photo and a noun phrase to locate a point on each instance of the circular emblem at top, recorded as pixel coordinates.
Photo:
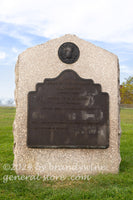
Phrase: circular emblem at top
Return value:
(68, 52)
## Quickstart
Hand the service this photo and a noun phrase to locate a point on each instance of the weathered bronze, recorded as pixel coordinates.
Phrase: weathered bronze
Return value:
(68, 112)
(68, 52)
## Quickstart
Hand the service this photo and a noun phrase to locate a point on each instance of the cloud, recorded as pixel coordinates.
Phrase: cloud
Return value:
(2, 55)
(125, 72)
(102, 20)
(127, 69)
(15, 50)
(19, 32)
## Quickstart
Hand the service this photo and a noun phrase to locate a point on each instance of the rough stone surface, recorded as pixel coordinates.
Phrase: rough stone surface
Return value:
(42, 61)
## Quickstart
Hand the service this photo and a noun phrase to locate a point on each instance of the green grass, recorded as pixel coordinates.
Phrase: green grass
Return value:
(99, 187)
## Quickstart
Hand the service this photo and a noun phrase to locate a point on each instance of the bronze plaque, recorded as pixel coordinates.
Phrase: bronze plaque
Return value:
(68, 112)
(68, 52)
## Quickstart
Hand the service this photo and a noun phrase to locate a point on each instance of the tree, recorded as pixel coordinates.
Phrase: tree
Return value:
(10, 102)
(126, 91)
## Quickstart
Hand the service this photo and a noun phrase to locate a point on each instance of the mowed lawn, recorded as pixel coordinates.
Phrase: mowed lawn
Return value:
(99, 187)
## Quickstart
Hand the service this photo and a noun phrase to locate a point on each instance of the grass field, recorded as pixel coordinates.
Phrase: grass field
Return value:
(99, 187)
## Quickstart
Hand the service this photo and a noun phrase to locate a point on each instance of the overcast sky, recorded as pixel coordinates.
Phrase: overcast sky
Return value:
(25, 23)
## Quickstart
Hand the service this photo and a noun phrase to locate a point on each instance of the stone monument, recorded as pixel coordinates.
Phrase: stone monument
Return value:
(67, 109)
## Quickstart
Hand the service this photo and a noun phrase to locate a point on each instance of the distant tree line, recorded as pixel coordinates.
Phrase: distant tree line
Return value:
(7, 102)
(126, 91)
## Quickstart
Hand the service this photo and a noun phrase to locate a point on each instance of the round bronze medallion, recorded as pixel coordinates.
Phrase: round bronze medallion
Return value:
(68, 52)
